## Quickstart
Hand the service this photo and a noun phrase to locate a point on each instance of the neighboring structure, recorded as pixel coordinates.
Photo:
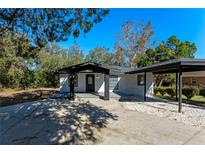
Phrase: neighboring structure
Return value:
(91, 77)
(194, 79)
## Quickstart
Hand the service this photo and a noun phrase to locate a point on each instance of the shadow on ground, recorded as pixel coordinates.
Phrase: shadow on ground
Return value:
(52, 122)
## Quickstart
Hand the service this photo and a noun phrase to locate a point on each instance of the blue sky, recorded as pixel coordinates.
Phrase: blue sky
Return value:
(186, 24)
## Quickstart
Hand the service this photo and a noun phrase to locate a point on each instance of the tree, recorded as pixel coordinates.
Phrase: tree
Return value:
(25, 43)
(13, 63)
(133, 41)
(100, 55)
(76, 54)
(46, 68)
(41, 26)
(173, 48)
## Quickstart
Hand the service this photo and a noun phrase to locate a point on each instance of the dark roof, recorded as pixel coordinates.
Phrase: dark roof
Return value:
(85, 66)
(186, 64)
(89, 65)
(118, 69)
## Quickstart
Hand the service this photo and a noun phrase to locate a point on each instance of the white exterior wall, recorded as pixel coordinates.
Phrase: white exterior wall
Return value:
(127, 84)
(150, 84)
(64, 83)
(99, 82)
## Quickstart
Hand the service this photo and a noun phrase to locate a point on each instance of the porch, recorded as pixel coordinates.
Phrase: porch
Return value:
(87, 78)
(87, 95)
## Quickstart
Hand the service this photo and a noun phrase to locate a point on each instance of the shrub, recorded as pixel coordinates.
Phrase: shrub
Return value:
(189, 92)
(171, 91)
(162, 91)
(202, 92)
(156, 90)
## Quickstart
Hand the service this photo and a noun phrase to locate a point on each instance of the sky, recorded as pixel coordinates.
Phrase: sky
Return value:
(186, 24)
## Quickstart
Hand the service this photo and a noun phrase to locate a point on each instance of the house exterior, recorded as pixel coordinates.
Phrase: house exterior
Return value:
(88, 80)
(194, 79)
(91, 77)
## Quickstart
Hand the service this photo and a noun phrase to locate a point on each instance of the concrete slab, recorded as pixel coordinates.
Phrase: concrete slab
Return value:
(56, 121)
(197, 139)
(140, 127)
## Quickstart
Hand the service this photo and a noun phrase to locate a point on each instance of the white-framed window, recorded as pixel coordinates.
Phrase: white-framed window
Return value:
(140, 80)
(113, 82)
(75, 80)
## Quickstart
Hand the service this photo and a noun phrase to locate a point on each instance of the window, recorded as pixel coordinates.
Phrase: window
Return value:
(193, 81)
(113, 82)
(140, 80)
(75, 81)
(90, 80)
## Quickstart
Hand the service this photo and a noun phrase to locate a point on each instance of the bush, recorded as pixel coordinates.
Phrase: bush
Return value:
(162, 90)
(171, 91)
(190, 92)
(156, 90)
(202, 92)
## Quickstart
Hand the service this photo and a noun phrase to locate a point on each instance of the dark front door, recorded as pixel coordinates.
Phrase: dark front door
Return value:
(90, 83)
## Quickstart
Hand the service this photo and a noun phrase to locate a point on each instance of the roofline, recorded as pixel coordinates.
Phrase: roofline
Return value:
(84, 66)
(171, 65)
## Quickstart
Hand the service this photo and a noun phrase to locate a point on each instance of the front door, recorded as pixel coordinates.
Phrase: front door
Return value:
(90, 83)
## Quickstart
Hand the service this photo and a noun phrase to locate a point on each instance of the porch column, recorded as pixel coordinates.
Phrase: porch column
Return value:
(176, 84)
(106, 87)
(180, 91)
(145, 85)
(72, 95)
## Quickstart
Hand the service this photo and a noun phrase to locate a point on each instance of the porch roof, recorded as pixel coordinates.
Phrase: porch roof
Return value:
(94, 67)
(172, 66)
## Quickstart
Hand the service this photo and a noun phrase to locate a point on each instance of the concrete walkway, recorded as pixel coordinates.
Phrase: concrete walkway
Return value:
(62, 122)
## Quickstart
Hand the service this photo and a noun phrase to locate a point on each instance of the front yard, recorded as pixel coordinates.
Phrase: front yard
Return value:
(15, 96)
(95, 121)
(196, 100)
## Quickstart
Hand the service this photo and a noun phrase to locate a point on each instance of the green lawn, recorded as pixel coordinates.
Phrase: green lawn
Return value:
(196, 100)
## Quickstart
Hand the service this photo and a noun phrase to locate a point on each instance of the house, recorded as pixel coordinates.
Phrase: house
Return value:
(194, 79)
(92, 77)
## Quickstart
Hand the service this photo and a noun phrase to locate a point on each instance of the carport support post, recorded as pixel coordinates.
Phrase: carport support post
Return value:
(106, 87)
(180, 91)
(71, 87)
(145, 86)
(176, 86)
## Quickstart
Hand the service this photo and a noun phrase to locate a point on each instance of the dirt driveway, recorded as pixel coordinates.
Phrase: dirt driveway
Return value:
(93, 122)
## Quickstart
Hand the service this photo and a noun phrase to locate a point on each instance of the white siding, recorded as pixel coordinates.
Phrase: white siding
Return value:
(99, 82)
(127, 84)
(64, 83)
(150, 85)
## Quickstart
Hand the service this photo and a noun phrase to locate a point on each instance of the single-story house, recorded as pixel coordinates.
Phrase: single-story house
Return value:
(92, 77)
(194, 79)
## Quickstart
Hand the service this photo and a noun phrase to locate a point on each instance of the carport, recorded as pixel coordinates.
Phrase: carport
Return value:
(177, 66)
(86, 67)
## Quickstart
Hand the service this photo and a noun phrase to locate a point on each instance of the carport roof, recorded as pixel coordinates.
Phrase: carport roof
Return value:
(171, 66)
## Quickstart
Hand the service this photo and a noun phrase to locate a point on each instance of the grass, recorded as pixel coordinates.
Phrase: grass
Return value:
(196, 100)
(16, 96)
